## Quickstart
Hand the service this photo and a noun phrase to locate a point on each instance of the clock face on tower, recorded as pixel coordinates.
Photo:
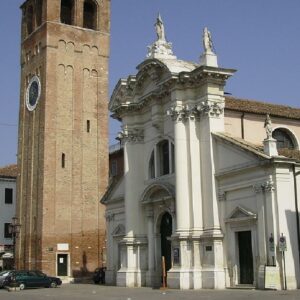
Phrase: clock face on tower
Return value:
(33, 93)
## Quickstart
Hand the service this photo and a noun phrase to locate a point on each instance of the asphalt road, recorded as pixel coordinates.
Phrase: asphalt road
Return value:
(90, 291)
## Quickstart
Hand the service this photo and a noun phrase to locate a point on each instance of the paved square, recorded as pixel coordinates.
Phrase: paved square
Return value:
(91, 291)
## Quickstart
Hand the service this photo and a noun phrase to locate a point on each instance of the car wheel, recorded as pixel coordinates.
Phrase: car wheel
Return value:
(22, 286)
(53, 284)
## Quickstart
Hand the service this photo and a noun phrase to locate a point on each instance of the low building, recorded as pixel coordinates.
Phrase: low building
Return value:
(8, 175)
(211, 183)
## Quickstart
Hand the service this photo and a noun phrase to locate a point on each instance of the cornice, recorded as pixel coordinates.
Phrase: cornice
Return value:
(122, 100)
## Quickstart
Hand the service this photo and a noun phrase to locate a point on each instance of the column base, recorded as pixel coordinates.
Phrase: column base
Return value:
(213, 279)
(180, 279)
(131, 278)
(110, 277)
(196, 279)
(153, 279)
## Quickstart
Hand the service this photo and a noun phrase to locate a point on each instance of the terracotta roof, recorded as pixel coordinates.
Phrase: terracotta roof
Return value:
(262, 108)
(255, 149)
(10, 171)
(290, 153)
(113, 182)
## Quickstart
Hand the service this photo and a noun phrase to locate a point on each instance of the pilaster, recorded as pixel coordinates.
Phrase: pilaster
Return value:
(150, 280)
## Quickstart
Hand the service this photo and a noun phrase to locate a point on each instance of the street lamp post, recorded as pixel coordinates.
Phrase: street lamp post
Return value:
(14, 230)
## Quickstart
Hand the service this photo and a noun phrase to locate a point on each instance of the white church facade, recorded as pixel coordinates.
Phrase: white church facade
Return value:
(211, 183)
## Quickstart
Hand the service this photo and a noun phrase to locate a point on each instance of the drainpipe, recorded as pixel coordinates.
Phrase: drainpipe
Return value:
(296, 207)
(242, 125)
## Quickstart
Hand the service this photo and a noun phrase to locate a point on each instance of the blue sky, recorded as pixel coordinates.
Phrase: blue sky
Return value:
(259, 38)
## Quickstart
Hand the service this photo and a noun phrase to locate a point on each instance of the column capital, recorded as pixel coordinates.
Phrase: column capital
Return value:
(213, 109)
(135, 135)
(266, 186)
(109, 217)
(193, 112)
(178, 113)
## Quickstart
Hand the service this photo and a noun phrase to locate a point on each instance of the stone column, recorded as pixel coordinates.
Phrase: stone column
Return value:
(109, 276)
(197, 264)
(151, 250)
(180, 276)
(133, 152)
(261, 235)
(182, 172)
(212, 120)
(270, 219)
(194, 154)
(133, 274)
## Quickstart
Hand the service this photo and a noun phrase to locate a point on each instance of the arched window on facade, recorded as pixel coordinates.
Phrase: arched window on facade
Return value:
(90, 14)
(39, 12)
(67, 12)
(29, 19)
(284, 139)
(162, 160)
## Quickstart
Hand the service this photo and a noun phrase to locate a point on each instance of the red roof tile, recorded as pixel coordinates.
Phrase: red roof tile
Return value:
(10, 171)
(261, 108)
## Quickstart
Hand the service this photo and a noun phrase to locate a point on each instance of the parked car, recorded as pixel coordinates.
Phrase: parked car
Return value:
(3, 276)
(30, 279)
(99, 275)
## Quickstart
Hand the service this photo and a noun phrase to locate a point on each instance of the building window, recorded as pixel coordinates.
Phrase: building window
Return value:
(39, 12)
(8, 196)
(88, 126)
(67, 12)
(163, 152)
(7, 233)
(113, 168)
(152, 166)
(162, 159)
(284, 139)
(90, 14)
(29, 19)
(63, 160)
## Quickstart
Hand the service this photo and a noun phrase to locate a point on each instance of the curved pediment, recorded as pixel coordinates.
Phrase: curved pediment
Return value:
(152, 80)
(158, 192)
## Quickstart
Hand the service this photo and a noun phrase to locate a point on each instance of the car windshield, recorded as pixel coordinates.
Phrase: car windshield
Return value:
(4, 273)
(39, 273)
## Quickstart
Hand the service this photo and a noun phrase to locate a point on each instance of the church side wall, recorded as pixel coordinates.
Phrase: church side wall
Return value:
(253, 126)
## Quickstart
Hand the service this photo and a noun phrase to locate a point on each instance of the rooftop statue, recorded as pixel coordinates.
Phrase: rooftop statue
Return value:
(160, 29)
(268, 127)
(207, 41)
(160, 48)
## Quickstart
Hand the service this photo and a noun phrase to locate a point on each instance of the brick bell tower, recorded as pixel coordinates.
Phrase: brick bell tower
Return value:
(63, 136)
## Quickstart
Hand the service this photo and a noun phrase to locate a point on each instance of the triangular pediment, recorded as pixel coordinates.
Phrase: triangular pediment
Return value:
(119, 230)
(241, 214)
(114, 192)
(232, 153)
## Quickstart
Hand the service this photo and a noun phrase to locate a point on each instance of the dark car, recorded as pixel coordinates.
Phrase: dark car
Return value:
(99, 275)
(31, 279)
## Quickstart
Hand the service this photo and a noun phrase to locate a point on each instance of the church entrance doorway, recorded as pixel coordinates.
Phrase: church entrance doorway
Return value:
(62, 264)
(245, 257)
(165, 234)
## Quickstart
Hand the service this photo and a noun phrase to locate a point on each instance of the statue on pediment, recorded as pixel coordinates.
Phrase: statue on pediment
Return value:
(160, 29)
(207, 41)
(161, 48)
(268, 127)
